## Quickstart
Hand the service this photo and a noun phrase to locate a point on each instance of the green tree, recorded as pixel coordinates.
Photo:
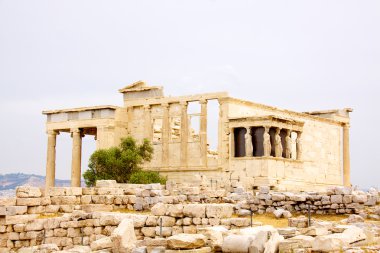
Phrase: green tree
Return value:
(118, 163)
(146, 177)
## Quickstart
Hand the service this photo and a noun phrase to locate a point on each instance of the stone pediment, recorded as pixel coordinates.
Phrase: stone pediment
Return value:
(139, 90)
(138, 86)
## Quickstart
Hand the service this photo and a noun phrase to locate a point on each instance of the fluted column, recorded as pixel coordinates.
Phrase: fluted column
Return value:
(248, 142)
(346, 155)
(148, 131)
(165, 135)
(266, 140)
(184, 134)
(76, 134)
(50, 161)
(299, 146)
(203, 132)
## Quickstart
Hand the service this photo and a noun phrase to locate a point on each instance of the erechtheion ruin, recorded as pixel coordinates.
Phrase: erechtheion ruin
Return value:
(258, 145)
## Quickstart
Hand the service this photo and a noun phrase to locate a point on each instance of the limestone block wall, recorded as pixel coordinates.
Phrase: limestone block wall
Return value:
(79, 216)
(321, 162)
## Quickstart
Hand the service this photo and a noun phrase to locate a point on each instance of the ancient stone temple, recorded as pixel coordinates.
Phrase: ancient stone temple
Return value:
(257, 144)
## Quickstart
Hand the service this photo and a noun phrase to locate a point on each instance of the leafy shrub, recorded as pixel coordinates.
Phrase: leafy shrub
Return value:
(146, 177)
(118, 163)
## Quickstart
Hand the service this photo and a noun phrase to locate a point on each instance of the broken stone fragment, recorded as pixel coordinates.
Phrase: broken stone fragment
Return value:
(186, 241)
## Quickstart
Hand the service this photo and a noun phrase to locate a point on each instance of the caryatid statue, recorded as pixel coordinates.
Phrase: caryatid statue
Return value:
(267, 145)
(278, 145)
(288, 145)
(299, 145)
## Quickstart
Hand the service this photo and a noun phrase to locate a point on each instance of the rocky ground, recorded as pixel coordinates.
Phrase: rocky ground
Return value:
(152, 218)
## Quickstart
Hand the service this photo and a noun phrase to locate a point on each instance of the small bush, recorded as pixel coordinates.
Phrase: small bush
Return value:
(146, 177)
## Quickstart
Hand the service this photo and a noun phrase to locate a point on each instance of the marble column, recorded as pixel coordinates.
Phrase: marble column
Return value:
(165, 135)
(266, 140)
(203, 132)
(50, 161)
(76, 134)
(346, 155)
(148, 130)
(184, 134)
(299, 146)
(248, 143)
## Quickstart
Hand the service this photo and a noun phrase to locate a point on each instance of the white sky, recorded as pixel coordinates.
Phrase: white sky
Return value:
(299, 55)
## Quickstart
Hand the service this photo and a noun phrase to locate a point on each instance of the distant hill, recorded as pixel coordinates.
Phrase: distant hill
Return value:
(11, 181)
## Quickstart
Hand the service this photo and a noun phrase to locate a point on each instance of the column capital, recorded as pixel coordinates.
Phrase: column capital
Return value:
(147, 107)
(184, 103)
(203, 101)
(165, 105)
(75, 130)
(346, 125)
(52, 132)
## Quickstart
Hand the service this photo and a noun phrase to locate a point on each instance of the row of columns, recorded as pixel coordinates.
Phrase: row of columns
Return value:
(278, 148)
(277, 142)
(76, 160)
(184, 136)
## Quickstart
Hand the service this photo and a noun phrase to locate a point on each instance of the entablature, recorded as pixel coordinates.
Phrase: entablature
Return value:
(266, 121)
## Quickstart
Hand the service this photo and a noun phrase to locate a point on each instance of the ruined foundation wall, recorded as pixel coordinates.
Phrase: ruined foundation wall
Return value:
(83, 215)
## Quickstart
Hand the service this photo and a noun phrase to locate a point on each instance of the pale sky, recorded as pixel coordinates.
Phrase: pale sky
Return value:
(298, 55)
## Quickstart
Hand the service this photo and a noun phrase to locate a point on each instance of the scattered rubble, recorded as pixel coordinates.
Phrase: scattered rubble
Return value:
(150, 218)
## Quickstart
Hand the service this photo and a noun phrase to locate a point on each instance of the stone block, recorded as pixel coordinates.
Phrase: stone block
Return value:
(109, 191)
(186, 241)
(37, 224)
(103, 199)
(175, 210)
(356, 198)
(28, 192)
(90, 208)
(110, 220)
(151, 221)
(56, 191)
(219, 211)
(190, 190)
(240, 222)
(20, 219)
(64, 200)
(60, 232)
(74, 232)
(166, 231)
(336, 199)
(107, 183)
(237, 243)
(195, 210)
(7, 201)
(88, 191)
(103, 243)
(28, 201)
(66, 208)
(149, 231)
(315, 231)
(166, 221)
(278, 197)
(159, 209)
(36, 209)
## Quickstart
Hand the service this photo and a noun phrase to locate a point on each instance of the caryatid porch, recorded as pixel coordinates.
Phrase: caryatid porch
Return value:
(96, 121)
